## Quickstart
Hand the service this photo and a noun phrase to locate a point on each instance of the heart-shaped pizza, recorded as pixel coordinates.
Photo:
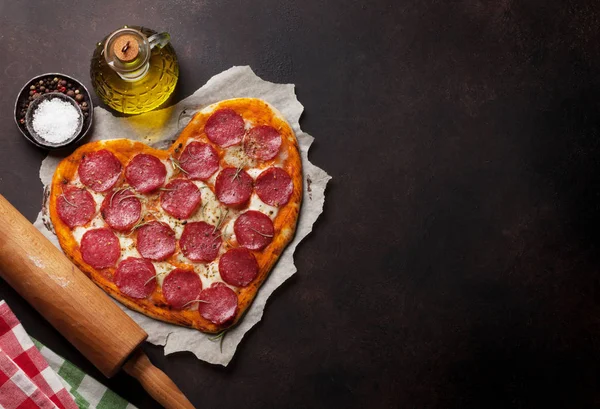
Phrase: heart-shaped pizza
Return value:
(185, 235)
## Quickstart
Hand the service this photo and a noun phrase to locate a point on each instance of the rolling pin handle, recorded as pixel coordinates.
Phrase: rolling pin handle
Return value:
(156, 382)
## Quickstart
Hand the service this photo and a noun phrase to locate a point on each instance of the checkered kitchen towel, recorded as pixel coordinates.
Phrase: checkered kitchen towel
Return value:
(88, 392)
(17, 390)
(43, 375)
(26, 376)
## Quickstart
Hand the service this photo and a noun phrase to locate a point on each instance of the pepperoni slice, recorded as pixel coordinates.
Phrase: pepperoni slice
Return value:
(121, 209)
(100, 248)
(181, 287)
(254, 230)
(99, 170)
(274, 186)
(180, 198)
(200, 241)
(233, 186)
(225, 127)
(155, 241)
(262, 142)
(145, 173)
(134, 276)
(75, 206)
(221, 304)
(238, 267)
(199, 160)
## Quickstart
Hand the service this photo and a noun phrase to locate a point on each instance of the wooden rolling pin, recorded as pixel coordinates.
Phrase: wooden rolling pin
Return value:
(79, 310)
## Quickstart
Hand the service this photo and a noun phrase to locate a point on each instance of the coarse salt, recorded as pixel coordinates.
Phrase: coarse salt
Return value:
(55, 120)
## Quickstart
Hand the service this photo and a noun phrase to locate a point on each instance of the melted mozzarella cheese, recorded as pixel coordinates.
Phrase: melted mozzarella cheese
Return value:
(170, 171)
(259, 205)
(162, 270)
(227, 230)
(180, 258)
(254, 172)
(79, 231)
(210, 275)
(128, 248)
(236, 157)
(211, 210)
(98, 198)
(175, 224)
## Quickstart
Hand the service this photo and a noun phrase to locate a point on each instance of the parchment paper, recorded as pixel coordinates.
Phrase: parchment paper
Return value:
(159, 128)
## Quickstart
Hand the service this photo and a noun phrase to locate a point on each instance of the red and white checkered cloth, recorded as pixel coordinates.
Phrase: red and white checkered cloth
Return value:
(26, 380)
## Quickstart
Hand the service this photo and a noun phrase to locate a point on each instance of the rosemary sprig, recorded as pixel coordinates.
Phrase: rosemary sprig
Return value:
(191, 154)
(126, 197)
(262, 234)
(177, 166)
(219, 337)
(65, 197)
(115, 192)
(221, 218)
(67, 200)
(202, 210)
(153, 278)
(137, 226)
(150, 279)
(193, 301)
(237, 172)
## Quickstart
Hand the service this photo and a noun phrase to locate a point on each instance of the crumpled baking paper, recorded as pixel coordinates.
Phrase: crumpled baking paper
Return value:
(159, 129)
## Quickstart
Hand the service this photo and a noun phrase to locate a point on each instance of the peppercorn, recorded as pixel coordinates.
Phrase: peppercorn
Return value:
(77, 91)
(32, 87)
(70, 85)
(78, 97)
(70, 93)
(55, 79)
(84, 104)
(42, 88)
(62, 83)
(84, 108)
(41, 82)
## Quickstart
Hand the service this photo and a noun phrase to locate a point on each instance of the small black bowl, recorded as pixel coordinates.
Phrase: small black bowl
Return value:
(22, 105)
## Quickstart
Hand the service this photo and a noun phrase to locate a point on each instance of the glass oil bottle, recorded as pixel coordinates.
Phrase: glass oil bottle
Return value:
(134, 69)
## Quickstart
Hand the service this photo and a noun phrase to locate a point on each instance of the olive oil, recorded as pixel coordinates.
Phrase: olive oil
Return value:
(134, 70)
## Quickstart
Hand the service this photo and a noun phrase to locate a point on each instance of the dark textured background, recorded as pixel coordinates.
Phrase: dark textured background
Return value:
(456, 262)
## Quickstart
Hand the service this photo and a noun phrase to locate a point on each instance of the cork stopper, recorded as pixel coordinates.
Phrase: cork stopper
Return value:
(126, 48)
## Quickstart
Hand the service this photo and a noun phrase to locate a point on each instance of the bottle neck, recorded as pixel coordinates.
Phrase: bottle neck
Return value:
(127, 52)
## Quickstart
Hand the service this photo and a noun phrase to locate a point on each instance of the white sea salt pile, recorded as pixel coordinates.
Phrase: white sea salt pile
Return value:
(55, 120)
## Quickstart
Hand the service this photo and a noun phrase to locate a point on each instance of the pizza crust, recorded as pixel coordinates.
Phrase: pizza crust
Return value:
(260, 113)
